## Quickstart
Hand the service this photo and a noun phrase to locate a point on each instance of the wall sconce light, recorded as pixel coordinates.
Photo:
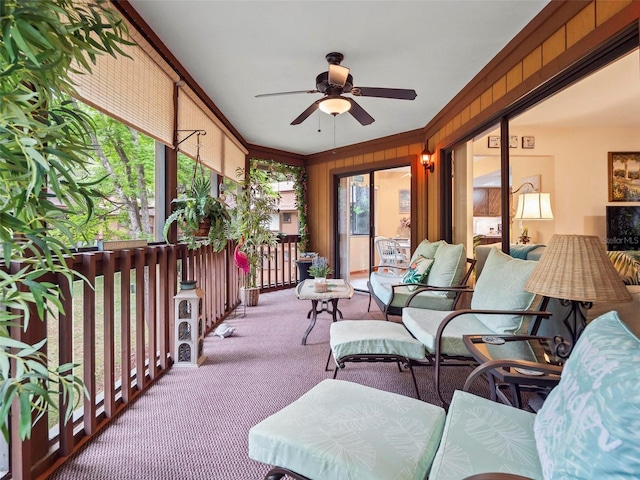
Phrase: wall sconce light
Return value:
(425, 160)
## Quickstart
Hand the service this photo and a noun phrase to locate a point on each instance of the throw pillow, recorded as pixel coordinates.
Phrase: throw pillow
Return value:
(627, 264)
(418, 270)
(448, 266)
(425, 249)
(501, 287)
(588, 425)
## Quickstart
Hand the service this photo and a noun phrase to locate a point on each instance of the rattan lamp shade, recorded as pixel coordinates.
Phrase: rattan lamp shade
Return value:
(576, 267)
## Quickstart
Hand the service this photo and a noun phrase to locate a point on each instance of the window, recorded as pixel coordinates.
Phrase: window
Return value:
(359, 214)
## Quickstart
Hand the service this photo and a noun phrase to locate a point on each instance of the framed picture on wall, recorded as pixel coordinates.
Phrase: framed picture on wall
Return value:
(404, 201)
(528, 141)
(494, 141)
(624, 176)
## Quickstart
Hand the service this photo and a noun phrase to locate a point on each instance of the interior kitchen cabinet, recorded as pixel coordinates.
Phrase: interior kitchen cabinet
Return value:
(486, 202)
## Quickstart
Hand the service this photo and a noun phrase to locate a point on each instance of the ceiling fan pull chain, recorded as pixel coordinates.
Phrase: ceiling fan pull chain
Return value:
(334, 134)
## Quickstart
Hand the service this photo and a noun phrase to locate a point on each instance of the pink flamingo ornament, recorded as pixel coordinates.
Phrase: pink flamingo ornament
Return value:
(240, 258)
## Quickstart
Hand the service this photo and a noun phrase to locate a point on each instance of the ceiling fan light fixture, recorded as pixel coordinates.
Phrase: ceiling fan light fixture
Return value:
(335, 105)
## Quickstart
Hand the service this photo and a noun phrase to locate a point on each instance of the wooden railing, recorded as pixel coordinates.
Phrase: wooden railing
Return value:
(279, 269)
(118, 328)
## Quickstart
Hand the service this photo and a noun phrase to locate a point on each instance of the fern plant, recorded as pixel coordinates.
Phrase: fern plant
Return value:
(197, 212)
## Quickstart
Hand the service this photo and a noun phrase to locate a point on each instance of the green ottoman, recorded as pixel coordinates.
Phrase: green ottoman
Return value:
(343, 430)
(373, 341)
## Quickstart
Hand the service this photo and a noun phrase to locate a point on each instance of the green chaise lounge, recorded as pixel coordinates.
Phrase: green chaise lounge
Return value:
(586, 429)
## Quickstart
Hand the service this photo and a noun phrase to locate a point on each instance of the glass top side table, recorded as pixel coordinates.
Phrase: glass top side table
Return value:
(517, 361)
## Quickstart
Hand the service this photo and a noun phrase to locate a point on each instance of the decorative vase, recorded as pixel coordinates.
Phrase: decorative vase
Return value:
(320, 285)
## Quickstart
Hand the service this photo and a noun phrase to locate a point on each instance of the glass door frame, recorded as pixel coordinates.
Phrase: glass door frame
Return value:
(623, 43)
(370, 169)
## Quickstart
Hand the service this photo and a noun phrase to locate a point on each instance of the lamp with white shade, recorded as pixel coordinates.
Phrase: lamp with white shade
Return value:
(532, 205)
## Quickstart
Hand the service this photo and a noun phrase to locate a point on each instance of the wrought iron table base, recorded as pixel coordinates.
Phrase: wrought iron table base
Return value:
(313, 314)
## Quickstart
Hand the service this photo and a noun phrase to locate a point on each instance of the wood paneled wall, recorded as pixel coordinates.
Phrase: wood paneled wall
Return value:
(561, 34)
(322, 222)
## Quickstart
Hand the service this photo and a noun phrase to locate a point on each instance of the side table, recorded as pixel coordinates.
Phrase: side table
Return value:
(337, 289)
(517, 361)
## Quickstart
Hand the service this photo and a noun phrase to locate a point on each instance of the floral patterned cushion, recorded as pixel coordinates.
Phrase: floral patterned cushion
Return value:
(418, 270)
(588, 426)
(483, 436)
(342, 430)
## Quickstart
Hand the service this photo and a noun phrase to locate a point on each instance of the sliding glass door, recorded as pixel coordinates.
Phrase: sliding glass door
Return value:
(370, 204)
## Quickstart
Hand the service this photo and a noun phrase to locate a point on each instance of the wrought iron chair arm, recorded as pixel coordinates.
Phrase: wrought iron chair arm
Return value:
(423, 287)
(509, 363)
(446, 320)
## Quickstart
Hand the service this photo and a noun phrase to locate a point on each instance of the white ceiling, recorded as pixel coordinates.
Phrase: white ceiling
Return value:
(238, 49)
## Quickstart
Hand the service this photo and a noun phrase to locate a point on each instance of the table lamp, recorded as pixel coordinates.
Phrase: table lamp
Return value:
(576, 270)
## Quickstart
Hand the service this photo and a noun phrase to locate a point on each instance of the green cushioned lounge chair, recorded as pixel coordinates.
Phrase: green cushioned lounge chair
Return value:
(586, 429)
(440, 289)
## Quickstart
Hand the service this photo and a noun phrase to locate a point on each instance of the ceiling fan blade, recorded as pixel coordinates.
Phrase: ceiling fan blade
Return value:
(286, 93)
(304, 115)
(338, 75)
(398, 93)
(359, 113)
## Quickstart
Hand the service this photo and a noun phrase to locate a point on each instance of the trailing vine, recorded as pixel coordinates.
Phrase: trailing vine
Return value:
(297, 175)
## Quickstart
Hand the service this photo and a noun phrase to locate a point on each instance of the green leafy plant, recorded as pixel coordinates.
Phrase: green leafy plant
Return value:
(202, 218)
(320, 268)
(43, 137)
(300, 182)
(255, 204)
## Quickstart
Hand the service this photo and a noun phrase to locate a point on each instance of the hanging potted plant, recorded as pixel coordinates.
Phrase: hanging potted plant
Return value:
(202, 218)
(254, 206)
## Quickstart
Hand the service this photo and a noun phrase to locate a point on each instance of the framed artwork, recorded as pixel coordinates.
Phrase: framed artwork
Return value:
(624, 176)
(623, 228)
(513, 141)
(528, 141)
(494, 141)
(404, 201)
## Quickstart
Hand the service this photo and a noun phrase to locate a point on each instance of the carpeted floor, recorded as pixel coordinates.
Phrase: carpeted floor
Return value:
(193, 423)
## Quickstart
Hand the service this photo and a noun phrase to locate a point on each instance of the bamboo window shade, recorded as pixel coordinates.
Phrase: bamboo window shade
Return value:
(234, 158)
(192, 115)
(137, 91)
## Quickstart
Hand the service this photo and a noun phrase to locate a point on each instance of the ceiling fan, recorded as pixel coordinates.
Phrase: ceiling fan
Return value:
(337, 81)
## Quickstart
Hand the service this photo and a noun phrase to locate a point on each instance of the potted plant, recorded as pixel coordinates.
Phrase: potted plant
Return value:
(202, 218)
(254, 206)
(319, 270)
